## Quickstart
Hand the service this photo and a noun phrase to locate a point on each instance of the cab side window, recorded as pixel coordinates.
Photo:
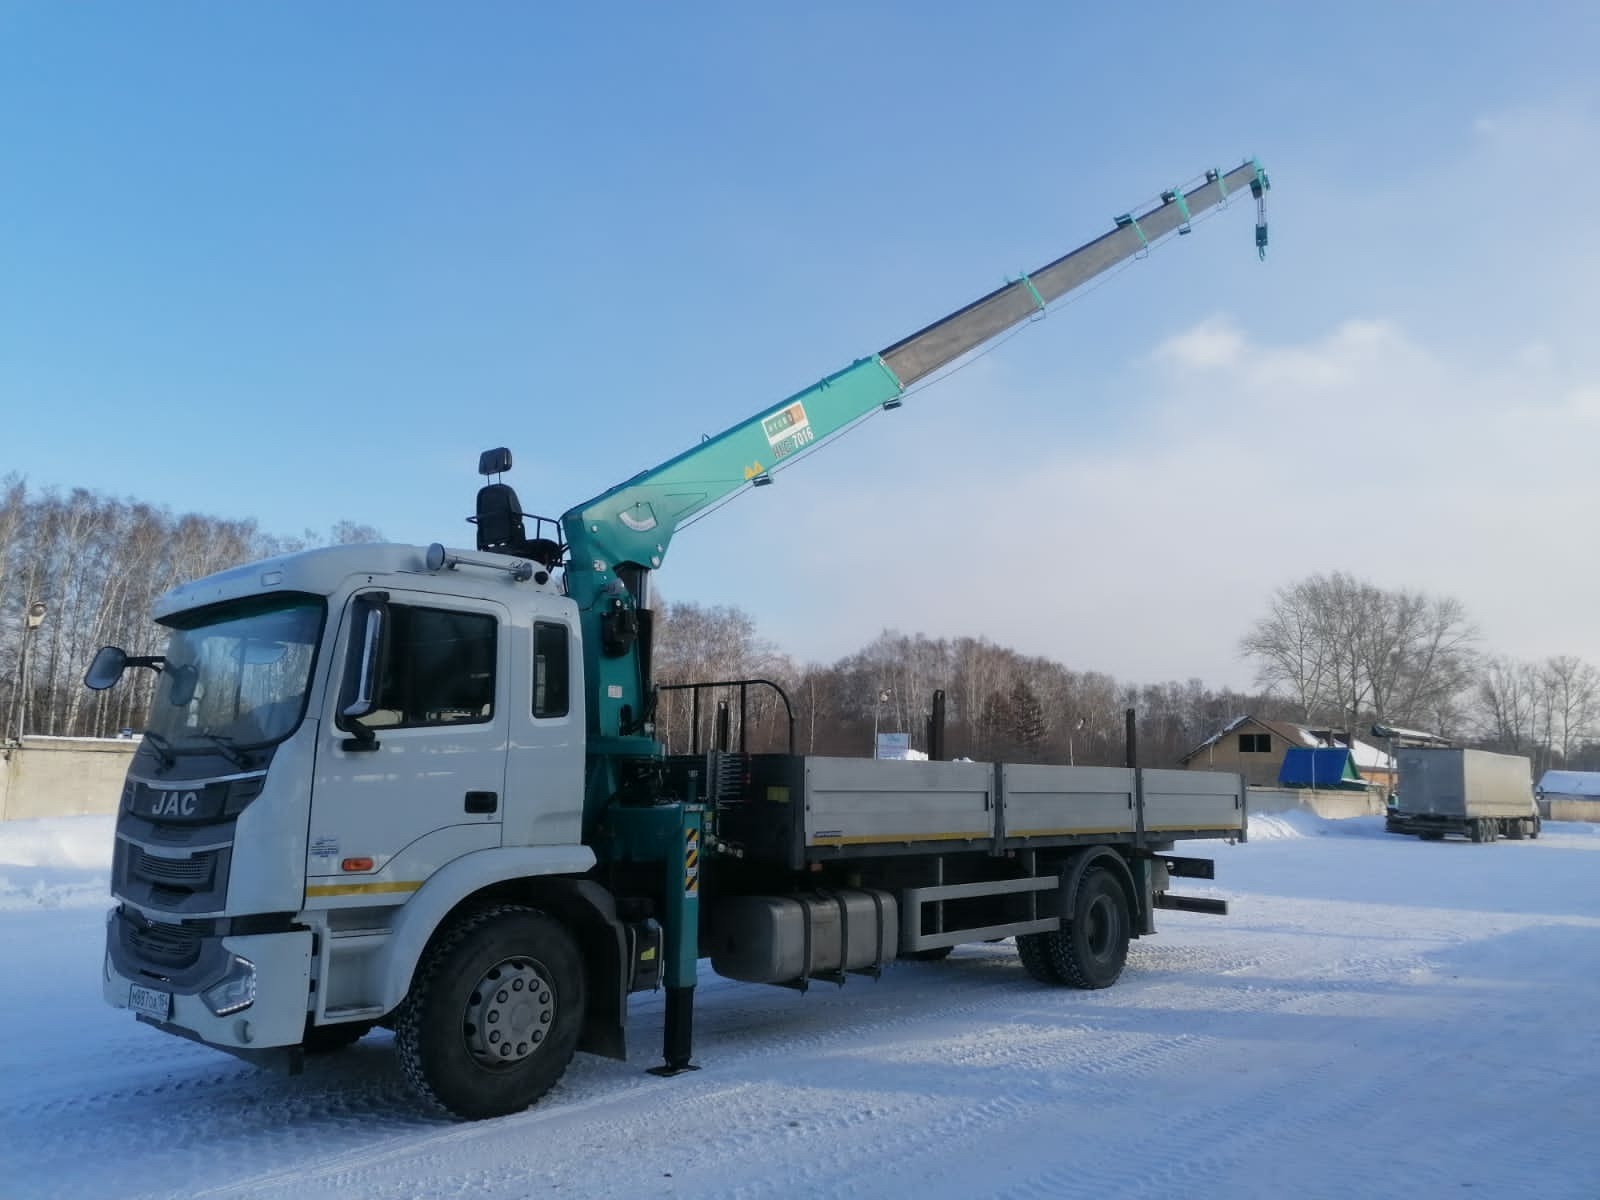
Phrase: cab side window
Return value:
(437, 669)
(550, 669)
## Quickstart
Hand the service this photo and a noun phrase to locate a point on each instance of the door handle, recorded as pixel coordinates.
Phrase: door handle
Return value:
(482, 802)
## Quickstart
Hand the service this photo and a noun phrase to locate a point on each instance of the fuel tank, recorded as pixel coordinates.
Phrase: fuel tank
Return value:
(780, 939)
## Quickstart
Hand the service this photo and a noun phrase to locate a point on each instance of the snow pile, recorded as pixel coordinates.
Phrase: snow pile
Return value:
(1266, 827)
(55, 862)
(83, 842)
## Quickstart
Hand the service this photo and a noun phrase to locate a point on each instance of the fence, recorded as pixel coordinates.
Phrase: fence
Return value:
(1333, 805)
(60, 777)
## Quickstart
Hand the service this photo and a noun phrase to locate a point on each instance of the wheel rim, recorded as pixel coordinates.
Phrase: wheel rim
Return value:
(1100, 927)
(509, 1012)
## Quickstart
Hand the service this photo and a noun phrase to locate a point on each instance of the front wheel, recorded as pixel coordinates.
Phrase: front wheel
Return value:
(494, 1013)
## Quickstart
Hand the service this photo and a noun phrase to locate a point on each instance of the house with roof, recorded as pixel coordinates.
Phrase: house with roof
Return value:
(1282, 754)
(1569, 795)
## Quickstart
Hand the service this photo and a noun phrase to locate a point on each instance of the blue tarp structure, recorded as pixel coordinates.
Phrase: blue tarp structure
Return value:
(1331, 768)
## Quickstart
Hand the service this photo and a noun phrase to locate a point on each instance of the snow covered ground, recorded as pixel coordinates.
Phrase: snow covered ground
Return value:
(1378, 1017)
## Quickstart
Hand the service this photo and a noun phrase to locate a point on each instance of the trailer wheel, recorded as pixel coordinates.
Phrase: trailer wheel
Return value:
(493, 1016)
(1091, 950)
(1036, 958)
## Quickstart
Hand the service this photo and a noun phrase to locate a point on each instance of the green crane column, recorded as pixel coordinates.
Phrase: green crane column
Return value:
(669, 836)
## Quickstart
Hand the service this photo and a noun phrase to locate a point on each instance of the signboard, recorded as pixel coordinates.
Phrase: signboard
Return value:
(893, 745)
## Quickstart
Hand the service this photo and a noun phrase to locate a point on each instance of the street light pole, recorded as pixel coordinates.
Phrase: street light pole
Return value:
(31, 620)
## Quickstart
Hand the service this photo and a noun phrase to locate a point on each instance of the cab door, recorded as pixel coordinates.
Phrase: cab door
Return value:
(411, 766)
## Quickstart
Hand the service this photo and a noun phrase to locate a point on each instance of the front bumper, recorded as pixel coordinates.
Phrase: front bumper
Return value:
(277, 1016)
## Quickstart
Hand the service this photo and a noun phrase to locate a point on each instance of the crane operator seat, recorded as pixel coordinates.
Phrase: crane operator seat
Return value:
(501, 529)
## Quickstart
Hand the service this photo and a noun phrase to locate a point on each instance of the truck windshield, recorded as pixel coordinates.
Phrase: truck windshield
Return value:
(237, 673)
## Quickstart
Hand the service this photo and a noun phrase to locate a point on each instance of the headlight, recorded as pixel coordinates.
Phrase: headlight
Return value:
(236, 991)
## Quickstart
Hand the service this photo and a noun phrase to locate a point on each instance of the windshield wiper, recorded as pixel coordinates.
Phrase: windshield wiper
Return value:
(226, 746)
(162, 747)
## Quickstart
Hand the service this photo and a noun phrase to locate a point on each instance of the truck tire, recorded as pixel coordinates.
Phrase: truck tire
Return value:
(494, 1013)
(1534, 825)
(1036, 960)
(1518, 829)
(1091, 949)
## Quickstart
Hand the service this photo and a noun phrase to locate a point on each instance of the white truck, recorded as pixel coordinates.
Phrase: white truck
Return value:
(420, 787)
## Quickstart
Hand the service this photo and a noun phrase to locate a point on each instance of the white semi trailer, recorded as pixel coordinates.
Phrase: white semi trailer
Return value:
(1471, 793)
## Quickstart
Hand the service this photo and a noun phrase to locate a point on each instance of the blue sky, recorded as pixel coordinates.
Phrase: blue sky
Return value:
(301, 262)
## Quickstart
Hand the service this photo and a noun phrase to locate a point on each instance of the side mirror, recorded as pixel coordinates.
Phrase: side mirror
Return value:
(360, 692)
(107, 667)
(366, 689)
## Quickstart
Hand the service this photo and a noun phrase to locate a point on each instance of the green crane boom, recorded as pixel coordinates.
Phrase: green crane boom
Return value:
(615, 539)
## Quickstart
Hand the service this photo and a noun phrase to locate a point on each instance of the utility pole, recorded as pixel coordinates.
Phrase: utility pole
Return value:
(877, 711)
(31, 620)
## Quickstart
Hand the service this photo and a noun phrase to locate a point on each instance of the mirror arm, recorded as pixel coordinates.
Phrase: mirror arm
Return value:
(362, 737)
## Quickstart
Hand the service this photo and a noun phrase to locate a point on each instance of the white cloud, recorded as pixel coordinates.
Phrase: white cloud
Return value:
(1211, 344)
(1250, 465)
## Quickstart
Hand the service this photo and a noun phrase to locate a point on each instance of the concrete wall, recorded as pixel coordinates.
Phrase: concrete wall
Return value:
(1332, 805)
(61, 777)
(1556, 809)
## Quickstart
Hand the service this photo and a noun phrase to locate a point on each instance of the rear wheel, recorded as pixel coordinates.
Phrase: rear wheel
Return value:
(1034, 952)
(1091, 951)
(494, 1013)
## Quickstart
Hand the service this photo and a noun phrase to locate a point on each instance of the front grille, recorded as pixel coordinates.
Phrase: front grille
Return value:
(192, 874)
(161, 944)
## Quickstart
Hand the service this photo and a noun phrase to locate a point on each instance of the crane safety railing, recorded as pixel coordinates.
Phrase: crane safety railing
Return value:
(722, 738)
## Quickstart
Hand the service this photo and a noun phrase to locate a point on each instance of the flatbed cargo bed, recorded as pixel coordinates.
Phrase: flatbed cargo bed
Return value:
(797, 810)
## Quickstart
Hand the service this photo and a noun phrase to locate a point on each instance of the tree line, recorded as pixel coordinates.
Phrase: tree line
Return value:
(1331, 650)
(1346, 653)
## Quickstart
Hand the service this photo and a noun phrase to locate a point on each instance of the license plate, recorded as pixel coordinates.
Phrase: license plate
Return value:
(150, 1002)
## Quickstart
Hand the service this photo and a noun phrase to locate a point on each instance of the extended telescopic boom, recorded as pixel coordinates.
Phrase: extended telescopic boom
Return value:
(631, 526)
(635, 521)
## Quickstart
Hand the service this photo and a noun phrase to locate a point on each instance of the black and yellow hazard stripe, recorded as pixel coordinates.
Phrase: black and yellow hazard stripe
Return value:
(691, 862)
